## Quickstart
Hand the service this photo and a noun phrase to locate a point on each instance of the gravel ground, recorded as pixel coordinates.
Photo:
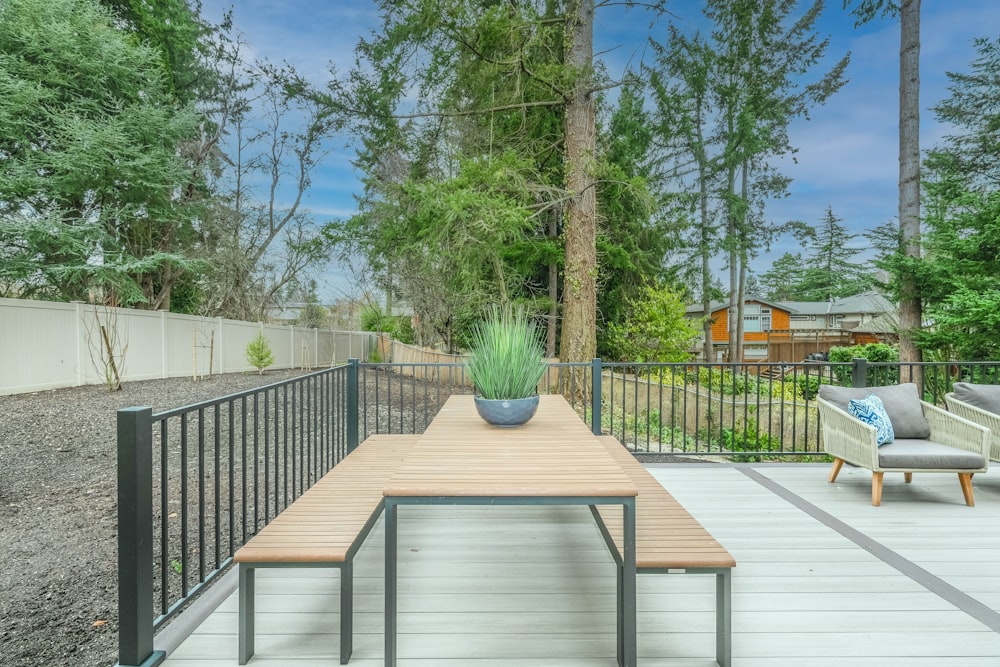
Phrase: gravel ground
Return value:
(58, 579)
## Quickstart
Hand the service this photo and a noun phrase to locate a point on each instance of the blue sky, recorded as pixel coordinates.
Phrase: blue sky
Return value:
(847, 151)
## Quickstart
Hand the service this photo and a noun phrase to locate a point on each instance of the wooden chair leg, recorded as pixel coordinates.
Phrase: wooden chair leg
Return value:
(907, 477)
(837, 465)
(965, 479)
(877, 488)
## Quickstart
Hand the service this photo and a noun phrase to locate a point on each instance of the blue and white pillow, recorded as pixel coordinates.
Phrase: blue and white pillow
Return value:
(871, 411)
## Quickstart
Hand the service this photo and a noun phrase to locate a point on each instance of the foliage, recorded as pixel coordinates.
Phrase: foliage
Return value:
(313, 316)
(826, 272)
(655, 328)
(257, 239)
(446, 95)
(749, 439)
(506, 357)
(633, 241)
(959, 276)
(874, 352)
(645, 424)
(399, 327)
(259, 353)
(725, 103)
(808, 386)
(91, 171)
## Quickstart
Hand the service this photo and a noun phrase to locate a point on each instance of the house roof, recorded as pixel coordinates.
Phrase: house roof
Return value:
(886, 323)
(870, 302)
(696, 309)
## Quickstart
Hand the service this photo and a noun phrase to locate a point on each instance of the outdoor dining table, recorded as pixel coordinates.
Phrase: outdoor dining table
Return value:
(554, 459)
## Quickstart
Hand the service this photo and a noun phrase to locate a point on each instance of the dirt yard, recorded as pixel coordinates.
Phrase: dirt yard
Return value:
(58, 532)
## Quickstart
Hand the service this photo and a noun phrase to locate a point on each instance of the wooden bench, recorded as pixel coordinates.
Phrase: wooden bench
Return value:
(668, 541)
(324, 527)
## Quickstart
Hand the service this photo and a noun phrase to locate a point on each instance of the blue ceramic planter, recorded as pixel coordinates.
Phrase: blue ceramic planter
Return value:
(506, 413)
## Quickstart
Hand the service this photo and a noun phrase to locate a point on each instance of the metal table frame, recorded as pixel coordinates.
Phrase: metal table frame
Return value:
(626, 572)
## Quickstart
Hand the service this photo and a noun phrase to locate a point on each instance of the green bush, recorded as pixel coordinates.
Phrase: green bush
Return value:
(749, 439)
(259, 353)
(873, 352)
(808, 386)
(398, 327)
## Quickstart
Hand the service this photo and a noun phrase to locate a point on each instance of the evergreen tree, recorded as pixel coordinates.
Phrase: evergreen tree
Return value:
(960, 277)
(91, 170)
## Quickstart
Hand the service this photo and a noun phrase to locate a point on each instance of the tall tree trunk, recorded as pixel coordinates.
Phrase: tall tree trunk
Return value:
(743, 231)
(550, 329)
(909, 177)
(579, 330)
(734, 308)
(705, 240)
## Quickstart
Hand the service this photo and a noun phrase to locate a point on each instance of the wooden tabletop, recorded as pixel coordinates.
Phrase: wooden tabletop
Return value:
(554, 454)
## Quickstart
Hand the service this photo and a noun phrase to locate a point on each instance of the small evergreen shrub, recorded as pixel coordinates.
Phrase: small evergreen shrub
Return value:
(259, 353)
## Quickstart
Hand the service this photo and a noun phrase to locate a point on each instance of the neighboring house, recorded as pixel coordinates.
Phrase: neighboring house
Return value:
(759, 318)
(787, 331)
(843, 313)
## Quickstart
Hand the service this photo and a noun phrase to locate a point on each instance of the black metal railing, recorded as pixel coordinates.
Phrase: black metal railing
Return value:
(197, 482)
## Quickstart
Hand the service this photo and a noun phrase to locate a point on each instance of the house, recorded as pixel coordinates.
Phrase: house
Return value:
(846, 313)
(787, 331)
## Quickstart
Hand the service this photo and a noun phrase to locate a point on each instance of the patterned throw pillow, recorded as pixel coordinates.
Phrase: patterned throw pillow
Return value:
(871, 411)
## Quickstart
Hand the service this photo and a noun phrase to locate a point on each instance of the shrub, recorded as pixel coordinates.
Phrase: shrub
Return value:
(259, 353)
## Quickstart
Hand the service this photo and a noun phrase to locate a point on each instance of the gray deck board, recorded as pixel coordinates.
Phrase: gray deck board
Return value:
(512, 587)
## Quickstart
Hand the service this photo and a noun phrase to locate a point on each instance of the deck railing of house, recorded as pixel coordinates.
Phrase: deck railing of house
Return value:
(195, 483)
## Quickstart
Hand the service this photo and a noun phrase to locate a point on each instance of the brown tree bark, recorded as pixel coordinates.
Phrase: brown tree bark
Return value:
(579, 327)
(909, 179)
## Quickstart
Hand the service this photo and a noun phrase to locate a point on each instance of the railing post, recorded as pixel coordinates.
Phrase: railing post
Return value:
(353, 414)
(135, 539)
(859, 373)
(595, 395)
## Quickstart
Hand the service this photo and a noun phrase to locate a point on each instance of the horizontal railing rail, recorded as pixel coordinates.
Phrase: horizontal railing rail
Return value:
(195, 483)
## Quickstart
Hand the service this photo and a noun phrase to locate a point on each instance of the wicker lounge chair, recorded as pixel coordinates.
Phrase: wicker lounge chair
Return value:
(927, 438)
(979, 403)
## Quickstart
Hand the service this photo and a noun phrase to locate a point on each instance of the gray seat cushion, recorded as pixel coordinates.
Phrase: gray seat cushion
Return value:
(983, 396)
(924, 454)
(902, 404)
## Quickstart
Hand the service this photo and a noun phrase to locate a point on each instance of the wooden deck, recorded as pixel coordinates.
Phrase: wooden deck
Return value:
(823, 579)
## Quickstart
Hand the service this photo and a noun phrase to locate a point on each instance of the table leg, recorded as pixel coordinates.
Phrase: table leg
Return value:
(628, 584)
(391, 517)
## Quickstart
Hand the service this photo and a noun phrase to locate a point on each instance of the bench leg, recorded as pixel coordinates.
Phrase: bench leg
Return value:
(629, 588)
(621, 615)
(965, 479)
(391, 518)
(346, 611)
(724, 618)
(246, 613)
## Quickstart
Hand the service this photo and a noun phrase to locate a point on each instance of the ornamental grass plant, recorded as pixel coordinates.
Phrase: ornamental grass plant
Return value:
(506, 358)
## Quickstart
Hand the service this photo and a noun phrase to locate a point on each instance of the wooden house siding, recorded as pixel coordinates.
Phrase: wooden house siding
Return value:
(780, 319)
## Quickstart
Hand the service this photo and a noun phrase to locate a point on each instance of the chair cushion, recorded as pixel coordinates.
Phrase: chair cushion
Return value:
(924, 454)
(902, 404)
(983, 396)
(871, 411)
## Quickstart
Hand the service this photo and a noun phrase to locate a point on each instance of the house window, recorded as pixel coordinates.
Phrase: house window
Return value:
(835, 321)
(802, 318)
(756, 318)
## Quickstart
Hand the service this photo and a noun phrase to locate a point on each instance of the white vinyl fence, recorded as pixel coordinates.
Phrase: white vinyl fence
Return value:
(46, 345)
